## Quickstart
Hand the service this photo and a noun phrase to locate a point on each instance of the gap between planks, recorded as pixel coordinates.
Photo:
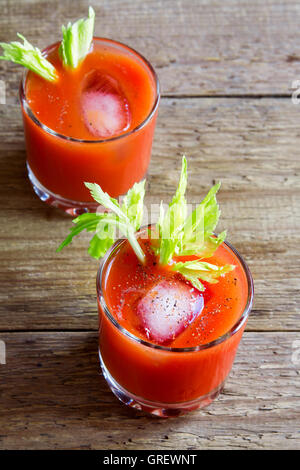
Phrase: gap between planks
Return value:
(254, 96)
(89, 330)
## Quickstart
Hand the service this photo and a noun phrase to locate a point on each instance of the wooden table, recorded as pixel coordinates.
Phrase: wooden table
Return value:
(226, 70)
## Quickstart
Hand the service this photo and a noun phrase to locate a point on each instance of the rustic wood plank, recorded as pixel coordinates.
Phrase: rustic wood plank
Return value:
(51, 392)
(53, 397)
(198, 47)
(251, 145)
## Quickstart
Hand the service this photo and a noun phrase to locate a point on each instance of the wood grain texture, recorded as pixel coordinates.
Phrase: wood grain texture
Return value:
(199, 47)
(250, 145)
(53, 396)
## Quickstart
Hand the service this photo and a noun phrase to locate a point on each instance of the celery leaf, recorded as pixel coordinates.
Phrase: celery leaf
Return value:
(126, 218)
(195, 270)
(30, 57)
(77, 40)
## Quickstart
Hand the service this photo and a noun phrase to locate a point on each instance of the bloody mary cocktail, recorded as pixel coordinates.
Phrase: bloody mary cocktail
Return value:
(173, 299)
(146, 366)
(94, 123)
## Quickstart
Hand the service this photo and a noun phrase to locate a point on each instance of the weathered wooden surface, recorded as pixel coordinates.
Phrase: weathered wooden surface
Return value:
(250, 145)
(51, 392)
(52, 395)
(199, 47)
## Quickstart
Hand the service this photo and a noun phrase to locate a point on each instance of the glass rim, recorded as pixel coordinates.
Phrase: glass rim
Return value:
(140, 126)
(234, 329)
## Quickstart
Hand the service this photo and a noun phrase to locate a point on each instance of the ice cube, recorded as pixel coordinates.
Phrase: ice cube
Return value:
(105, 109)
(168, 308)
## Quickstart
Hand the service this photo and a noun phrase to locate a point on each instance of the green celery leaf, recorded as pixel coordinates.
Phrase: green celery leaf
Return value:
(127, 224)
(131, 212)
(77, 40)
(30, 57)
(202, 221)
(194, 235)
(204, 247)
(86, 222)
(98, 248)
(127, 219)
(170, 224)
(104, 237)
(133, 203)
(195, 270)
(105, 199)
(103, 224)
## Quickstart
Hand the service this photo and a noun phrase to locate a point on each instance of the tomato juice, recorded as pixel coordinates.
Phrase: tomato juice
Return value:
(186, 371)
(95, 123)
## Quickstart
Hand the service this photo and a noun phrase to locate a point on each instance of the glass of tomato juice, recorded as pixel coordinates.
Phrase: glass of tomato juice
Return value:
(94, 124)
(187, 372)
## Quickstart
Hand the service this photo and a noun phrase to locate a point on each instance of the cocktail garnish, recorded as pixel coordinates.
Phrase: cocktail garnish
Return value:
(182, 236)
(126, 217)
(176, 233)
(193, 235)
(195, 270)
(75, 45)
(30, 57)
(77, 40)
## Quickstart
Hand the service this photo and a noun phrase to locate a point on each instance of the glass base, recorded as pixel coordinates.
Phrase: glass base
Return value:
(162, 410)
(73, 208)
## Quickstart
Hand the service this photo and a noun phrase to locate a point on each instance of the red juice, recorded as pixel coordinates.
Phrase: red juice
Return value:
(185, 371)
(95, 123)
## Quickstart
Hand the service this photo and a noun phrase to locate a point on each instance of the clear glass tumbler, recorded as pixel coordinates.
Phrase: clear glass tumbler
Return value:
(58, 165)
(160, 380)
